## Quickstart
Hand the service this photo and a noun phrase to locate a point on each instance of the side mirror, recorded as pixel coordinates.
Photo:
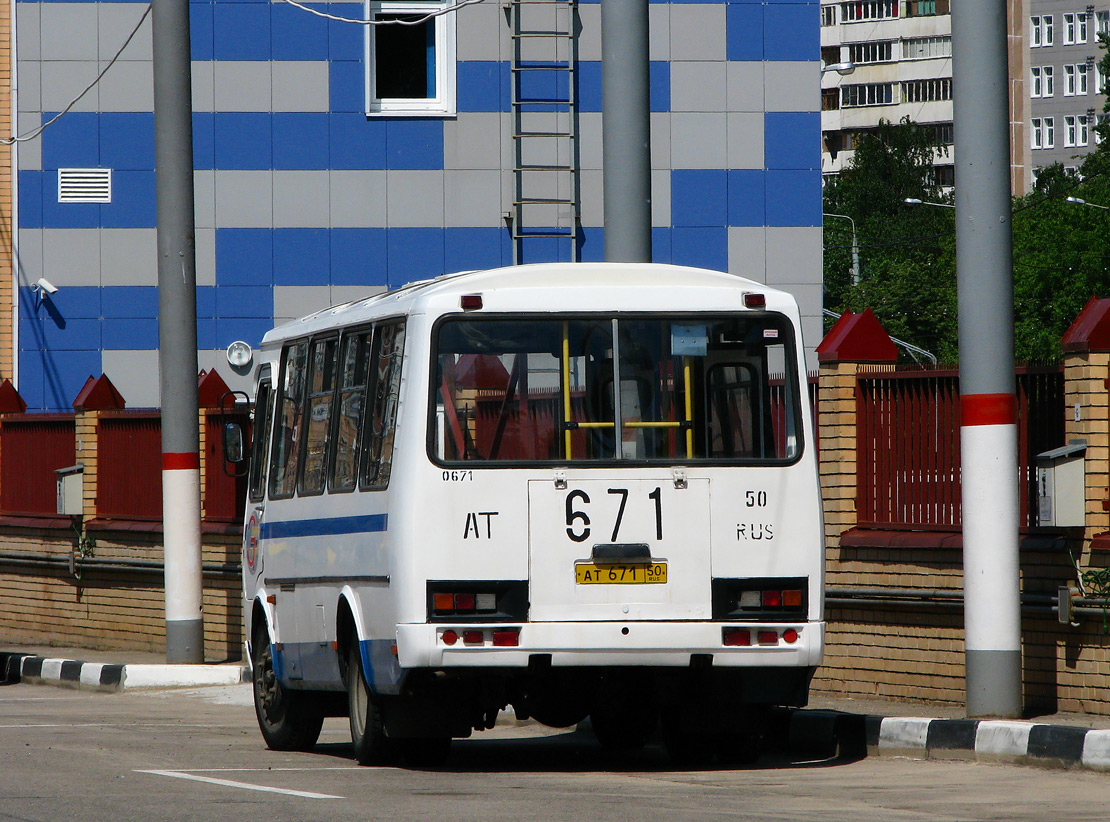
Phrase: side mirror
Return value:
(233, 442)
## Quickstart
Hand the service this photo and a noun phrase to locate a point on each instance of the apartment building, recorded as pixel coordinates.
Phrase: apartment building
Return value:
(1065, 87)
(901, 57)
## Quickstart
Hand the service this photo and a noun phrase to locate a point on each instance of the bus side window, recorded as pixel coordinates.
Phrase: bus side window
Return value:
(353, 369)
(384, 390)
(285, 451)
(321, 394)
(263, 413)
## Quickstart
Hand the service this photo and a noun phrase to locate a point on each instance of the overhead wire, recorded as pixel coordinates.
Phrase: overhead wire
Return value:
(408, 20)
(40, 129)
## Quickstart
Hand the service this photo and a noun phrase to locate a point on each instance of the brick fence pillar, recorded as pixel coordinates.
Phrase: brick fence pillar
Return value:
(854, 340)
(1086, 347)
(98, 395)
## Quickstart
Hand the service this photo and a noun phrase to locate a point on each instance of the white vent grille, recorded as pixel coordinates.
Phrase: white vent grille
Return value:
(84, 185)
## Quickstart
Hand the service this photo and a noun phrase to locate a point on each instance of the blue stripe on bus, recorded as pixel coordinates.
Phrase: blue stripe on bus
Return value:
(324, 527)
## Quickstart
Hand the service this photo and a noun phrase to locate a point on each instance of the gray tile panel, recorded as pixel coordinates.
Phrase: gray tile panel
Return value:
(659, 31)
(472, 198)
(116, 21)
(242, 85)
(204, 199)
(204, 85)
(747, 252)
(217, 359)
(301, 199)
(697, 31)
(300, 85)
(69, 31)
(128, 86)
(744, 81)
(27, 26)
(30, 255)
(698, 86)
(793, 255)
(480, 31)
(660, 140)
(63, 80)
(29, 151)
(745, 140)
(792, 86)
(135, 375)
(71, 256)
(357, 199)
(474, 140)
(589, 133)
(244, 199)
(589, 41)
(593, 200)
(699, 140)
(206, 256)
(347, 293)
(293, 301)
(661, 197)
(128, 256)
(414, 198)
(29, 91)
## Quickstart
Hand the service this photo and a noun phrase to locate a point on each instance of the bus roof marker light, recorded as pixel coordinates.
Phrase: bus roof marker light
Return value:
(754, 300)
(470, 302)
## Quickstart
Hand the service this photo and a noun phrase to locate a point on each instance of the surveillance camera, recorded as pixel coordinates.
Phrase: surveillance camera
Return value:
(45, 286)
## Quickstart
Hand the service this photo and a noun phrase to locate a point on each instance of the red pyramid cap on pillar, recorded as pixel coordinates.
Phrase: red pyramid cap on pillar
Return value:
(1090, 331)
(98, 395)
(857, 338)
(210, 389)
(10, 401)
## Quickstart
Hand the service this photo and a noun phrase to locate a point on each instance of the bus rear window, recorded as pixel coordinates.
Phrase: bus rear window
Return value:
(651, 389)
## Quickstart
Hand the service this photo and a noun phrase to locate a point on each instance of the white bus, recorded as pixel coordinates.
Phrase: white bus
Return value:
(582, 490)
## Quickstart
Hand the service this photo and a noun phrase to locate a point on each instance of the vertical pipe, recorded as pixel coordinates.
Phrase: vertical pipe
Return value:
(177, 330)
(988, 405)
(626, 130)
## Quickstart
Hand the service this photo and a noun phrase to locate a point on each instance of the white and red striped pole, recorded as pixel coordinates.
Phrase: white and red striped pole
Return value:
(988, 427)
(177, 330)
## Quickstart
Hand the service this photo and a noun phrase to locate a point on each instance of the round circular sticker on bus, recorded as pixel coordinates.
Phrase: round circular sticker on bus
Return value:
(250, 552)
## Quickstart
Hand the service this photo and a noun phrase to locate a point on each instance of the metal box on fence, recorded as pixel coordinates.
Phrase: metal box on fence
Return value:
(1061, 486)
(71, 489)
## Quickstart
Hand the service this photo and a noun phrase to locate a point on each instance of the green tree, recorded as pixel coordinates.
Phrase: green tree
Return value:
(906, 252)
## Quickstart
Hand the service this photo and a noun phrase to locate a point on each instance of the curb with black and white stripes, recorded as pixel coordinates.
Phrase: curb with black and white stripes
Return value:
(983, 740)
(99, 676)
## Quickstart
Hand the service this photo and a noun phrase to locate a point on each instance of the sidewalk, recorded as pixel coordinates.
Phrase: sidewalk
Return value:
(109, 670)
(829, 727)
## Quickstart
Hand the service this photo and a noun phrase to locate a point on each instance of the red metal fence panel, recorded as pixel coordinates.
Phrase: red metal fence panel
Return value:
(908, 442)
(129, 466)
(33, 447)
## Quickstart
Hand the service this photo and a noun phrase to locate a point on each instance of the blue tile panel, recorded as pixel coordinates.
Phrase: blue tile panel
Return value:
(61, 340)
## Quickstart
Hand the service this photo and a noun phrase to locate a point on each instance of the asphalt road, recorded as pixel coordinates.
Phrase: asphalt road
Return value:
(197, 755)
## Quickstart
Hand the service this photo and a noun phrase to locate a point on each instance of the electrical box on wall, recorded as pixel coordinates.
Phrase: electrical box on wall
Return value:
(71, 490)
(1061, 486)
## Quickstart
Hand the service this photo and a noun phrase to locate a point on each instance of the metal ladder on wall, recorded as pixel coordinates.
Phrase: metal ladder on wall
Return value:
(545, 220)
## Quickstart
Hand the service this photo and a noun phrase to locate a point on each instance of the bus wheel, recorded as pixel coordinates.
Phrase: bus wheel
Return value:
(426, 753)
(371, 745)
(289, 720)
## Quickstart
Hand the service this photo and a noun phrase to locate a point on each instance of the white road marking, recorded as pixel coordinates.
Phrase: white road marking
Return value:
(228, 783)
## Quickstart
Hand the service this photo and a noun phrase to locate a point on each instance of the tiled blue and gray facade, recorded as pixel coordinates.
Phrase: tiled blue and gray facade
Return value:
(302, 200)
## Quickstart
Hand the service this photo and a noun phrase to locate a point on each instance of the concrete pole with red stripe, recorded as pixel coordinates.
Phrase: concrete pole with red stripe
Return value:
(988, 426)
(177, 330)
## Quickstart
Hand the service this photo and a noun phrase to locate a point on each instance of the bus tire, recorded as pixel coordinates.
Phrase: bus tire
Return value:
(371, 745)
(289, 720)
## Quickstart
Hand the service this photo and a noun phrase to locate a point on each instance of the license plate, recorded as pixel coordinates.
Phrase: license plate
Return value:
(640, 573)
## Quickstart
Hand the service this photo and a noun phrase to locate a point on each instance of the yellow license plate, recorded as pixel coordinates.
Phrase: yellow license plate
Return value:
(641, 573)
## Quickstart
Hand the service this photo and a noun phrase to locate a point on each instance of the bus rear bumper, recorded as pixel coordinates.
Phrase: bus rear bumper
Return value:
(591, 644)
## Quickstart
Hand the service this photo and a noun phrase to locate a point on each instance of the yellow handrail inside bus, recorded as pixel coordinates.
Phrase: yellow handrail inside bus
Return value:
(566, 389)
(687, 381)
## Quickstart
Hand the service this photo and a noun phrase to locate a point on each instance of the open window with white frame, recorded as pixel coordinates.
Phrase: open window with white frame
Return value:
(410, 58)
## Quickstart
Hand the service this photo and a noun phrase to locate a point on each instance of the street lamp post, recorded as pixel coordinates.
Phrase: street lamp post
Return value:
(916, 202)
(1079, 201)
(855, 246)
